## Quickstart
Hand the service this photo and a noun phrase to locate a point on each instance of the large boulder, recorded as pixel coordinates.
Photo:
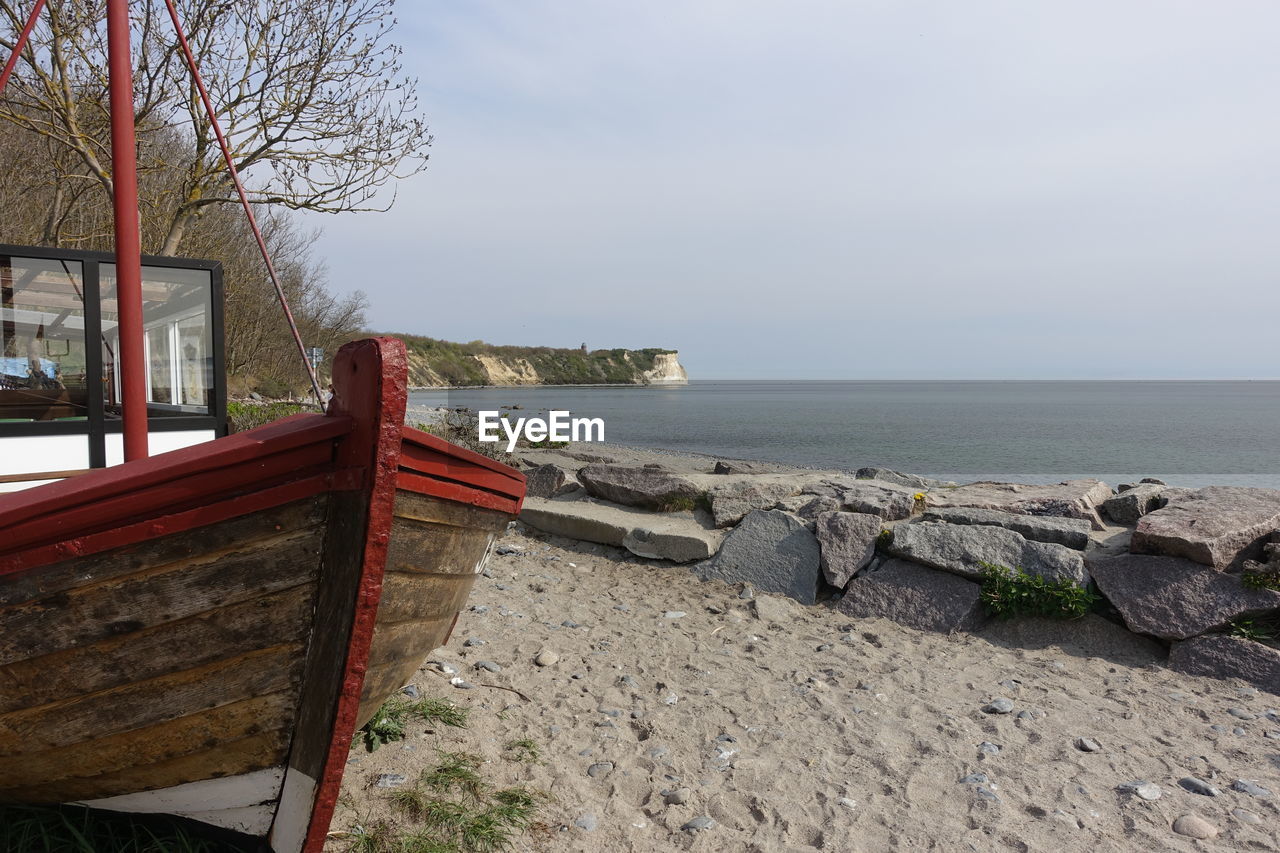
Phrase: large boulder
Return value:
(889, 501)
(914, 596)
(911, 481)
(771, 550)
(741, 466)
(963, 549)
(545, 481)
(1220, 656)
(1072, 499)
(848, 542)
(682, 537)
(647, 487)
(731, 501)
(1071, 532)
(1134, 502)
(1219, 526)
(1173, 598)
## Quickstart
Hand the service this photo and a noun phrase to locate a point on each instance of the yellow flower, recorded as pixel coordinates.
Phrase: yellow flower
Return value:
(919, 496)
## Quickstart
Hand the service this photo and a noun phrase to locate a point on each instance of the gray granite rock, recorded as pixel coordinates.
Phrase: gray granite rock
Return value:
(650, 488)
(889, 501)
(1221, 656)
(731, 501)
(1133, 503)
(848, 542)
(1219, 526)
(544, 481)
(914, 596)
(1072, 499)
(909, 480)
(741, 466)
(962, 549)
(1071, 532)
(1174, 599)
(771, 550)
(681, 537)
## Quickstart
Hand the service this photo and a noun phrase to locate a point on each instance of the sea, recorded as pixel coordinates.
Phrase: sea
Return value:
(1187, 433)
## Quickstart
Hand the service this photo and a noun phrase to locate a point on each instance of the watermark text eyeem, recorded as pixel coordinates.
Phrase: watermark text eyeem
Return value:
(558, 426)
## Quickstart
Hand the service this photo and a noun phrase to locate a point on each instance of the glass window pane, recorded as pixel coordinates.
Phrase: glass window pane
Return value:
(175, 315)
(42, 346)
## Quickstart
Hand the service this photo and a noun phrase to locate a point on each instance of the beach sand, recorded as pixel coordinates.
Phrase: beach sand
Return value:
(796, 728)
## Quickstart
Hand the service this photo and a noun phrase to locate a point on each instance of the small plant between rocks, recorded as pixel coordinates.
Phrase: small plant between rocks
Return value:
(1249, 629)
(1014, 592)
(387, 723)
(80, 829)
(1261, 579)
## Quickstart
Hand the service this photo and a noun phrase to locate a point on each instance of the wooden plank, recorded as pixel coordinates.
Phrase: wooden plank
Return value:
(421, 507)
(125, 605)
(418, 546)
(43, 475)
(281, 617)
(422, 597)
(135, 706)
(233, 534)
(256, 752)
(162, 742)
(443, 465)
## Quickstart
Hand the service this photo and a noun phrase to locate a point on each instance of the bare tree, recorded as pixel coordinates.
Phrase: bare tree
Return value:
(312, 97)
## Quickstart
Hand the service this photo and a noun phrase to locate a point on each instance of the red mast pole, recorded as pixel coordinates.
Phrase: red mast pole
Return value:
(124, 179)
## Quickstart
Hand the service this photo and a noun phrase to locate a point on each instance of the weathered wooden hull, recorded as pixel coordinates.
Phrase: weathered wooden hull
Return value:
(202, 632)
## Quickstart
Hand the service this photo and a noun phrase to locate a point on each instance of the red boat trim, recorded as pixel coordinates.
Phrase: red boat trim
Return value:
(439, 445)
(432, 463)
(388, 398)
(455, 491)
(180, 521)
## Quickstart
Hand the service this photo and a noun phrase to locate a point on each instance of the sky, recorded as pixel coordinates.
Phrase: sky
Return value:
(841, 190)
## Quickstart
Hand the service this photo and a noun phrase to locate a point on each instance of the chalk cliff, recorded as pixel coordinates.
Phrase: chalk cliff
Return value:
(436, 363)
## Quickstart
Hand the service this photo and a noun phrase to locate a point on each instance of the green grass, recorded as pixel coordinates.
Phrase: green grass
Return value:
(524, 750)
(1261, 580)
(1013, 592)
(78, 829)
(246, 415)
(388, 722)
(1249, 629)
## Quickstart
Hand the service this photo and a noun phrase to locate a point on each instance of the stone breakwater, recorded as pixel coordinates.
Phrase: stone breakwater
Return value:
(1166, 562)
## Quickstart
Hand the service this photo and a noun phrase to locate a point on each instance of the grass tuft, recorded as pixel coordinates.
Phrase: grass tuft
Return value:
(388, 723)
(1013, 592)
(524, 751)
(79, 829)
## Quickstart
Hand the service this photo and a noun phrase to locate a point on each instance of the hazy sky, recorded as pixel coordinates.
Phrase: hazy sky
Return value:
(842, 189)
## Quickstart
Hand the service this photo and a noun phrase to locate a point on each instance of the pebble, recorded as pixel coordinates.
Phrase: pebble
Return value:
(1145, 790)
(587, 822)
(1238, 732)
(998, 706)
(1026, 715)
(674, 614)
(658, 752)
(1198, 786)
(629, 681)
(1012, 684)
(508, 550)
(546, 658)
(676, 796)
(847, 803)
(412, 691)
(975, 779)
(987, 795)
(1246, 816)
(623, 607)
(1253, 789)
(825, 647)
(473, 641)
(610, 712)
(461, 683)
(671, 699)
(479, 608)
(1085, 744)
(988, 747)
(600, 769)
(578, 676)
(1241, 714)
(1273, 735)
(698, 824)
(569, 623)
(501, 586)
(389, 780)
(747, 594)
(488, 665)
(441, 666)
(1194, 826)
(1222, 730)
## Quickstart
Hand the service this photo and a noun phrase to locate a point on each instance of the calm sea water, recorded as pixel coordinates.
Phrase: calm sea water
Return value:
(1187, 433)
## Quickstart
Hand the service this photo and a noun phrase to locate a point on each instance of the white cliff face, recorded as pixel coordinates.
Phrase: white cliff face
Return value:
(667, 370)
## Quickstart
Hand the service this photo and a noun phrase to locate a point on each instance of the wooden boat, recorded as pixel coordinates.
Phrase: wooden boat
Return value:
(200, 633)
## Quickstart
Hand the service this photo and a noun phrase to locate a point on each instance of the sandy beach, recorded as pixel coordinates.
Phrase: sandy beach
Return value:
(668, 704)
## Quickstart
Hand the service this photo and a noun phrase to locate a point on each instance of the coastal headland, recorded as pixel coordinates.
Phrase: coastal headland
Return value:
(722, 655)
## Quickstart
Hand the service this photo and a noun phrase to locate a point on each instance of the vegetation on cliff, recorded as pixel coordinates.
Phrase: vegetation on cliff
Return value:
(440, 363)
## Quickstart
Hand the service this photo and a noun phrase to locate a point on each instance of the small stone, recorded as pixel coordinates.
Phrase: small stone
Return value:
(624, 608)
(1085, 744)
(1238, 732)
(488, 665)
(1253, 789)
(1198, 786)
(1194, 826)
(629, 681)
(1222, 730)
(587, 822)
(676, 796)
(998, 706)
(610, 712)
(1011, 684)
(671, 699)
(461, 683)
(698, 824)
(674, 614)
(389, 780)
(412, 691)
(501, 586)
(569, 623)
(987, 795)
(1143, 789)
(473, 641)
(825, 647)
(988, 747)
(505, 550)
(1246, 816)
(546, 658)
(578, 676)
(658, 752)
(600, 769)
(975, 779)
(1026, 715)
(441, 666)
(747, 593)
(847, 803)
(1241, 714)
(479, 608)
